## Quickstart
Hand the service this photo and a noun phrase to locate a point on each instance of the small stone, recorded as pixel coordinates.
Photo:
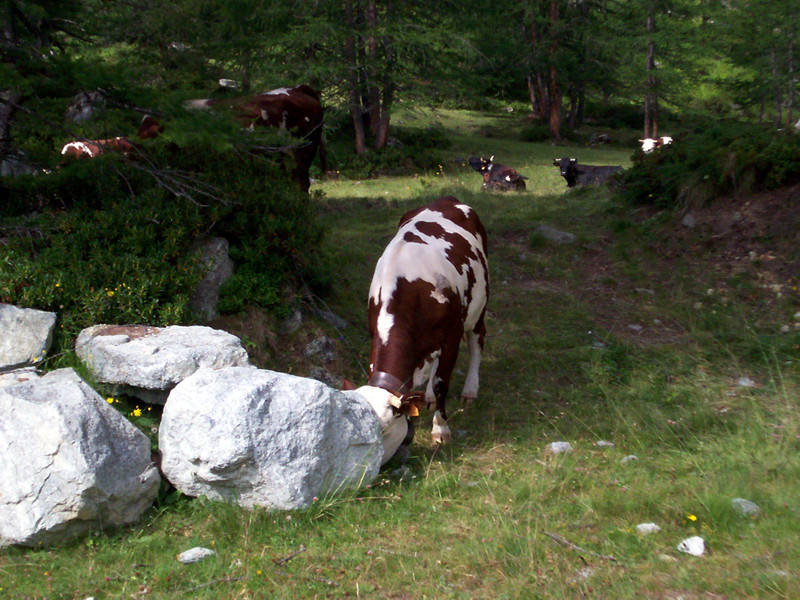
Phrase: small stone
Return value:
(745, 382)
(746, 508)
(195, 554)
(647, 528)
(695, 545)
(667, 558)
(797, 316)
(629, 458)
(635, 327)
(689, 221)
(604, 444)
(559, 447)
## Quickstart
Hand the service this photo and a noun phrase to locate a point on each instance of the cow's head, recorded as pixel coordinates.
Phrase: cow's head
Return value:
(481, 165)
(149, 128)
(393, 412)
(567, 165)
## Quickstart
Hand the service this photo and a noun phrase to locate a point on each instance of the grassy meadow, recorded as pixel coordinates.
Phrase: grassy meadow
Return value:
(628, 335)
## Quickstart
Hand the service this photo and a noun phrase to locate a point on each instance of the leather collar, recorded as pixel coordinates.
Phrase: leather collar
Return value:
(388, 382)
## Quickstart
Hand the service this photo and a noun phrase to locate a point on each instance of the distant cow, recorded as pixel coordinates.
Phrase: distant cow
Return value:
(576, 174)
(650, 144)
(149, 128)
(429, 290)
(94, 148)
(497, 177)
(297, 110)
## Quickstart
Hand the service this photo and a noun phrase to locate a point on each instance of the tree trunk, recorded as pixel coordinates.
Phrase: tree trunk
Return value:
(792, 81)
(373, 106)
(777, 88)
(555, 92)
(651, 95)
(353, 81)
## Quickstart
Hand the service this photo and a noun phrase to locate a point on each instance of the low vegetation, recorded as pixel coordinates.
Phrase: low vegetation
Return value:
(678, 345)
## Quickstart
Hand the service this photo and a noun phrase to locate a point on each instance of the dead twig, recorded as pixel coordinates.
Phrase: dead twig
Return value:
(565, 542)
(283, 561)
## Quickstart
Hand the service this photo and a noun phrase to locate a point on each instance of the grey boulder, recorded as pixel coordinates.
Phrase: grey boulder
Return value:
(147, 362)
(261, 438)
(69, 462)
(25, 335)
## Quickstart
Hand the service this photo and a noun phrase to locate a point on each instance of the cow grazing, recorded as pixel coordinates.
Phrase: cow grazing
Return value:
(94, 148)
(650, 144)
(497, 177)
(297, 110)
(576, 174)
(429, 290)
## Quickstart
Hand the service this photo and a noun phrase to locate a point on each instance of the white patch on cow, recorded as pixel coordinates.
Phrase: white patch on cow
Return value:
(80, 147)
(385, 323)
(508, 178)
(427, 261)
(307, 120)
(422, 373)
(279, 91)
(464, 208)
(393, 427)
(440, 431)
(666, 140)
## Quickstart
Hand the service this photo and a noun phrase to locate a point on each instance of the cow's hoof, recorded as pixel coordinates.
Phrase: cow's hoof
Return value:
(468, 401)
(441, 438)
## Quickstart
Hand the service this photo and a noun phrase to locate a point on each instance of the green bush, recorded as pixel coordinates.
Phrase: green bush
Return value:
(110, 240)
(715, 161)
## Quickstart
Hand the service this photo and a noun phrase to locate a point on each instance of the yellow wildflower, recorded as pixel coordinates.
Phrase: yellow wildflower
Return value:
(137, 412)
(691, 518)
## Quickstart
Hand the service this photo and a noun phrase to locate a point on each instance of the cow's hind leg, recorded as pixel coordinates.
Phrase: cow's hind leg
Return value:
(475, 344)
(441, 385)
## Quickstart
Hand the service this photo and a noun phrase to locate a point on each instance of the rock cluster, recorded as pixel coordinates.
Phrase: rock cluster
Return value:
(71, 463)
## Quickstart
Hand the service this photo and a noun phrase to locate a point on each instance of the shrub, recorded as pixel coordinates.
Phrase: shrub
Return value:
(719, 160)
(110, 240)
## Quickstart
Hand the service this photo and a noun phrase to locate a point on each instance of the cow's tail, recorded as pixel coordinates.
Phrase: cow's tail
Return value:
(201, 104)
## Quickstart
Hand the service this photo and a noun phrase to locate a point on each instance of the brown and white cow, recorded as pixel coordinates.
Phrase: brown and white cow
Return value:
(497, 177)
(297, 110)
(149, 128)
(94, 148)
(429, 290)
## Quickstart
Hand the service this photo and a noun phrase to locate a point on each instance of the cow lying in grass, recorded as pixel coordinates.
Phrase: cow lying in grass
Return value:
(576, 174)
(497, 177)
(429, 290)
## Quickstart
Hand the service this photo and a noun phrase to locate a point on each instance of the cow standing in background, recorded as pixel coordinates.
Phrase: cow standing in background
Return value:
(650, 144)
(297, 110)
(497, 177)
(429, 290)
(576, 174)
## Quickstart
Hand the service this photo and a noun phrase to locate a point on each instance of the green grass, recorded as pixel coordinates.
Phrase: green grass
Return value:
(481, 518)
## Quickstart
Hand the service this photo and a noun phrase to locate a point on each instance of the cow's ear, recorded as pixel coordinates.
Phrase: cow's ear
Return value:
(556, 162)
(347, 384)
(572, 160)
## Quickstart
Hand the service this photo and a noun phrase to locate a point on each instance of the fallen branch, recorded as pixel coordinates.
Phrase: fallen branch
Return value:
(565, 542)
(283, 561)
